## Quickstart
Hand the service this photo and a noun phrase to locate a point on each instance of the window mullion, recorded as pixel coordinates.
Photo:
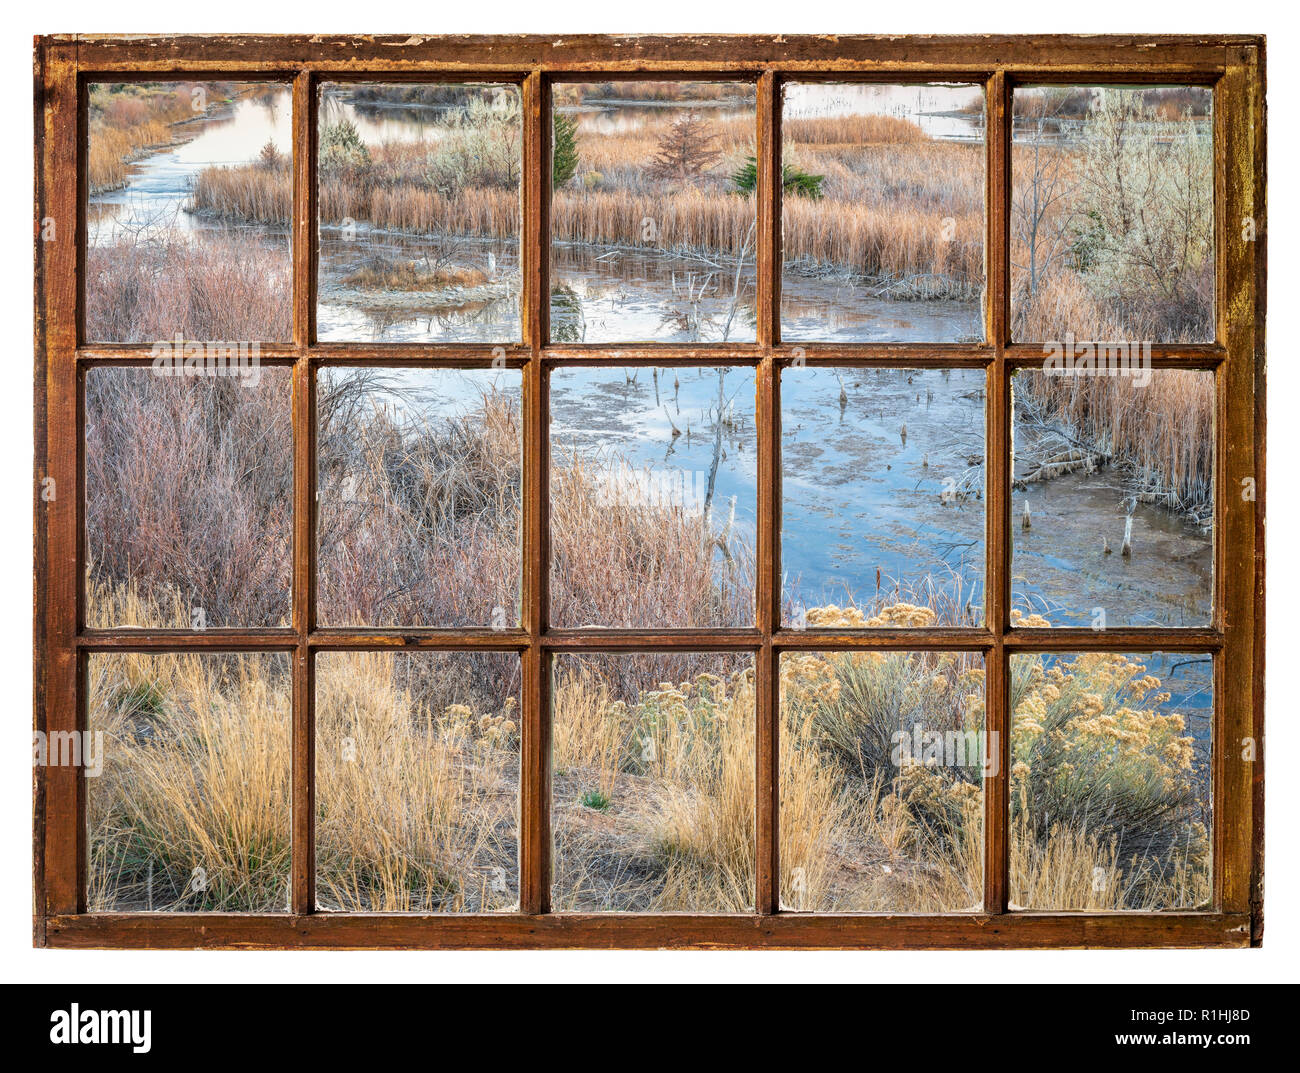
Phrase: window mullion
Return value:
(768, 594)
(303, 230)
(998, 491)
(535, 758)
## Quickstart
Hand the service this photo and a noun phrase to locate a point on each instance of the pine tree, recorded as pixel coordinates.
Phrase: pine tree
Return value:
(686, 151)
(564, 150)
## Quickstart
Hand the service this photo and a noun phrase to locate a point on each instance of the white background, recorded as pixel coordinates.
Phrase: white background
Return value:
(1277, 961)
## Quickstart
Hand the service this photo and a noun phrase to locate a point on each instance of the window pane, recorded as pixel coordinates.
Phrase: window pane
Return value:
(189, 496)
(190, 811)
(882, 212)
(653, 218)
(653, 783)
(1110, 781)
(653, 498)
(882, 480)
(1112, 213)
(190, 195)
(417, 781)
(419, 497)
(419, 187)
(1114, 497)
(882, 765)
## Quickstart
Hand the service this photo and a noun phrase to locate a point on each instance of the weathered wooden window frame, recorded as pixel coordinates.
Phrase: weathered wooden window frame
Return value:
(1232, 65)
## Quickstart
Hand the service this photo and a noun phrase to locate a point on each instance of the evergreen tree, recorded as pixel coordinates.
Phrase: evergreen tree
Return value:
(686, 151)
(794, 181)
(564, 150)
(341, 148)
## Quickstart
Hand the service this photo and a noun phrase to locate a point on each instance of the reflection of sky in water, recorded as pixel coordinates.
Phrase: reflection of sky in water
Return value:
(1059, 566)
(378, 122)
(612, 114)
(838, 311)
(612, 414)
(435, 394)
(858, 496)
(608, 295)
(855, 496)
(397, 317)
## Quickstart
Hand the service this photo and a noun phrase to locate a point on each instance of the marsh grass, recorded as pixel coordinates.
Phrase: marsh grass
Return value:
(424, 818)
(1161, 432)
(419, 516)
(908, 210)
(188, 499)
(259, 192)
(665, 741)
(221, 286)
(382, 274)
(894, 188)
(128, 120)
(623, 563)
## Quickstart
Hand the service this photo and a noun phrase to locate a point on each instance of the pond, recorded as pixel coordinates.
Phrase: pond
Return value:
(864, 510)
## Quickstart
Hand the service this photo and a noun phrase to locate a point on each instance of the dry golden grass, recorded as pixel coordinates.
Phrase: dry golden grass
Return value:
(127, 122)
(415, 210)
(584, 736)
(192, 808)
(416, 804)
(686, 220)
(416, 797)
(617, 562)
(1074, 870)
(893, 244)
(112, 149)
(903, 206)
(654, 785)
(852, 131)
(417, 783)
(1064, 306)
(249, 193)
(868, 831)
